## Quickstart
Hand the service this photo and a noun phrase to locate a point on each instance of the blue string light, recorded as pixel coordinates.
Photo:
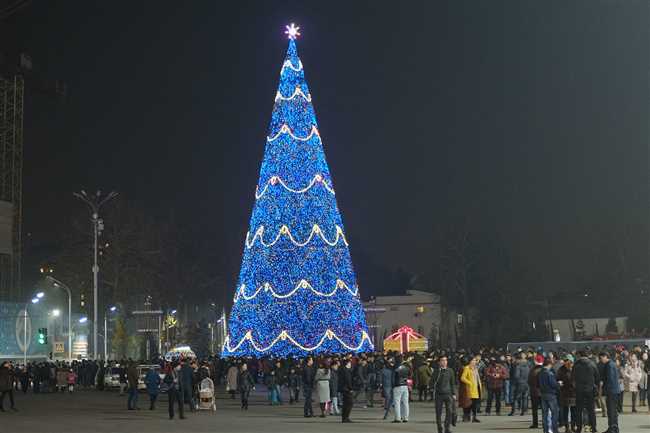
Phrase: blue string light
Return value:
(297, 292)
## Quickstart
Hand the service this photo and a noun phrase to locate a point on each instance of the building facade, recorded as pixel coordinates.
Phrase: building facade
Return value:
(419, 310)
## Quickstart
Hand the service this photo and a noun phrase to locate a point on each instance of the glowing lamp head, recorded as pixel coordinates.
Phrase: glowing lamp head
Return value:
(113, 309)
(35, 300)
(39, 295)
(83, 320)
(292, 31)
(56, 312)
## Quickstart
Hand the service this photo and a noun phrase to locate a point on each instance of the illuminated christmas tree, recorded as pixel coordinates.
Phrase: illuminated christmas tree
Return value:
(297, 292)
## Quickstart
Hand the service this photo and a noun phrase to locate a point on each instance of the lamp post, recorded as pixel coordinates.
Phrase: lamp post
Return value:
(94, 203)
(112, 310)
(57, 283)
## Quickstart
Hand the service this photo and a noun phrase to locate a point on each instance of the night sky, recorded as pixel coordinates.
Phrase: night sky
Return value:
(530, 118)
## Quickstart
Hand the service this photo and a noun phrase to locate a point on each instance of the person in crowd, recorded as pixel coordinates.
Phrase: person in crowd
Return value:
(507, 384)
(346, 387)
(132, 380)
(174, 394)
(535, 392)
(519, 380)
(387, 378)
(280, 380)
(62, 378)
(400, 391)
(611, 390)
(471, 380)
(322, 380)
(152, 381)
(444, 391)
(308, 375)
(293, 382)
(423, 375)
(187, 384)
(621, 382)
(24, 377)
(633, 374)
(549, 389)
(270, 380)
(123, 378)
(644, 383)
(360, 378)
(371, 387)
(496, 374)
(231, 380)
(585, 381)
(567, 394)
(6, 385)
(334, 388)
(246, 384)
(72, 380)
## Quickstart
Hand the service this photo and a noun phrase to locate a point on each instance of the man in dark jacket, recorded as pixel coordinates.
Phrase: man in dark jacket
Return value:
(549, 389)
(334, 389)
(172, 380)
(6, 385)
(387, 376)
(187, 385)
(586, 379)
(132, 379)
(535, 392)
(495, 375)
(401, 391)
(612, 391)
(444, 391)
(346, 386)
(308, 374)
(519, 380)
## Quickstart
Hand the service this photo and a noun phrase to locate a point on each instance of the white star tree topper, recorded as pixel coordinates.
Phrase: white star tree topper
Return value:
(292, 31)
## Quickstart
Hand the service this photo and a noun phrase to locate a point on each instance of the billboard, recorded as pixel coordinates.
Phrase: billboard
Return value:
(19, 324)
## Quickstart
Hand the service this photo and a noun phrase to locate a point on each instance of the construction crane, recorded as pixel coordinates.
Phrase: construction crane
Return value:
(14, 71)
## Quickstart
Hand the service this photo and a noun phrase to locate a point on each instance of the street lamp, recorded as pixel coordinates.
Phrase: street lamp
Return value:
(83, 320)
(56, 312)
(94, 203)
(58, 284)
(111, 310)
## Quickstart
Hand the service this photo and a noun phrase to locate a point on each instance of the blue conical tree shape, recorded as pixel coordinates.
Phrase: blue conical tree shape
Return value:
(297, 291)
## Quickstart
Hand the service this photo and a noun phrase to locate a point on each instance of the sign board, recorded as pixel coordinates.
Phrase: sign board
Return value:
(59, 347)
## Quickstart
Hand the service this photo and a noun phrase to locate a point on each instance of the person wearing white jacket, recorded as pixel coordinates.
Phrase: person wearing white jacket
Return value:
(633, 373)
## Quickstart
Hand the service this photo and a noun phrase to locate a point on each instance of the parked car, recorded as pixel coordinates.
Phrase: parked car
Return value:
(142, 372)
(112, 377)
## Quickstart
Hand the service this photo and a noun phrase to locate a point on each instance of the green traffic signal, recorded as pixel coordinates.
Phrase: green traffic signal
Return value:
(42, 336)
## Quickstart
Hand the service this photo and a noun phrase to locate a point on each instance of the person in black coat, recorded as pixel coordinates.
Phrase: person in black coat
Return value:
(346, 387)
(308, 374)
(245, 384)
(6, 385)
(585, 378)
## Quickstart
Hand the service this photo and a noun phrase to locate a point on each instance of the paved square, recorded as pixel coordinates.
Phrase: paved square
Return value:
(99, 412)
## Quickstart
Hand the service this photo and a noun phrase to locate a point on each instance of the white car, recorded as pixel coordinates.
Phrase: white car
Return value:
(142, 373)
(112, 377)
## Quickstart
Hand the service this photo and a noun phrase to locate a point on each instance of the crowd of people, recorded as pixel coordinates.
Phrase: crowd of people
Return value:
(564, 389)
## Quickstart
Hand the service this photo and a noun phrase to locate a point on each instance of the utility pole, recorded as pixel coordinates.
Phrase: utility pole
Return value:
(95, 203)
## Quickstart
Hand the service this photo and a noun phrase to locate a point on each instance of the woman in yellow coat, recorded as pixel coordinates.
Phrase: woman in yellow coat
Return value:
(472, 382)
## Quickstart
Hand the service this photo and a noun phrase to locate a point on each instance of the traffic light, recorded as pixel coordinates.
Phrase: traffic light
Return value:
(42, 335)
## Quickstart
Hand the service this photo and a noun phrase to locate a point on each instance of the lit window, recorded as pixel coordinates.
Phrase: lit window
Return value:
(419, 309)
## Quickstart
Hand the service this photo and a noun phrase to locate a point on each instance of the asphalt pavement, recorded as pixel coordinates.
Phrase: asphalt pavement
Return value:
(99, 412)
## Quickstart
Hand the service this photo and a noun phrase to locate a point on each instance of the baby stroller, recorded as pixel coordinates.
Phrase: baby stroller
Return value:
(206, 395)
